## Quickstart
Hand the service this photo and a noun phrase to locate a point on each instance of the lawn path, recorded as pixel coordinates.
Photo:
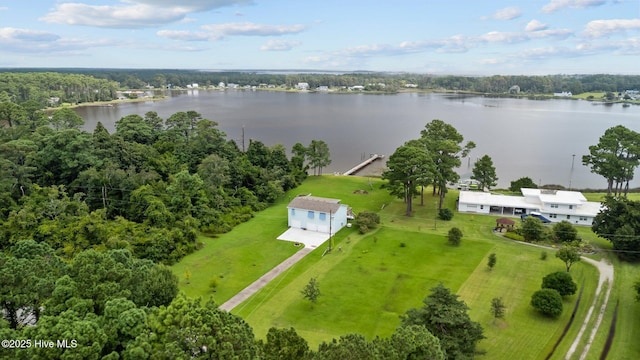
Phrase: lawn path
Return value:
(264, 280)
(606, 277)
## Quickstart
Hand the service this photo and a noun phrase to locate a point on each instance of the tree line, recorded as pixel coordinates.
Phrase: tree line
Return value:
(82, 85)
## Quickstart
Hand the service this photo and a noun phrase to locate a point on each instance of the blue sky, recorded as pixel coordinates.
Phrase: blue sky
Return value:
(468, 37)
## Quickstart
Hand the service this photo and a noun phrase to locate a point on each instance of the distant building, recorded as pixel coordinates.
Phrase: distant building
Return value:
(322, 88)
(317, 214)
(563, 94)
(555, 205)
(413, 86)
(302, 86)
(357, 88)
(515, 89)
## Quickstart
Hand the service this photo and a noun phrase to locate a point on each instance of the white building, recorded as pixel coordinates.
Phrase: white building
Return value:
(317, 214)
(555, 205)
(302, 86)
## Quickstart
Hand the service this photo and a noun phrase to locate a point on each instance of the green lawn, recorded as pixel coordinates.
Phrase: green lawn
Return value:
(369, 280)
(236, 259)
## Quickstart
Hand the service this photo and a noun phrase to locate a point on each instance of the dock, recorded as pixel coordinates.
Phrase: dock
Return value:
(358, 167)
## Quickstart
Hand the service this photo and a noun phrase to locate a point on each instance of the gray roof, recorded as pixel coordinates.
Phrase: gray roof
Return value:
(315, 203)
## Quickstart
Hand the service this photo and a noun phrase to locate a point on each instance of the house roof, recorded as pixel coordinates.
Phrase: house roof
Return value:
(315, 203)
(556, 196)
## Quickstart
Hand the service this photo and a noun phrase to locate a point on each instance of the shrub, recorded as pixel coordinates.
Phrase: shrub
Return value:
(513, 236)
(547, 301)
(543, 255)
(560, 281)
(454, 236)
(445, 214)
(366, 221)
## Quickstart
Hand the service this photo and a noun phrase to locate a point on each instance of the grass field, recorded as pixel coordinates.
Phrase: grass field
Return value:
(368, 281)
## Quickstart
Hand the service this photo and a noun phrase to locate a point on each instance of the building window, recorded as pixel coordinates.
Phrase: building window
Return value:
(323, 216)
(481, 207)
(553, 216)
(568, 217)
(471, 206)
(570, 207)
(293, 212)
(554, 206)
(582, 218)
(310, 214)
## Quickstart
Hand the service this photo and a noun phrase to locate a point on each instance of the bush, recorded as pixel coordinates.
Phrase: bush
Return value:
(543, 255)
(366, 221)
(513, 236)
(560, 281)
(548, 302)
(454, 236)
(445, 214)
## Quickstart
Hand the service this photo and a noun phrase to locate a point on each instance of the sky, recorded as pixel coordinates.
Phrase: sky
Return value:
(464, 37)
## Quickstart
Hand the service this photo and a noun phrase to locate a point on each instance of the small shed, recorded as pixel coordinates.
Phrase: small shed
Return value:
(504, 223)
(317, 214)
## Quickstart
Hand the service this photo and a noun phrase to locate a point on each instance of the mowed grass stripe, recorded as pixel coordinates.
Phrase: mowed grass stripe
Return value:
(367, 291)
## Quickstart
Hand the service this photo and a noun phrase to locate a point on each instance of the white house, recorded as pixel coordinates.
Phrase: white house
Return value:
(302, 86)
(317, 214)
(555, 205)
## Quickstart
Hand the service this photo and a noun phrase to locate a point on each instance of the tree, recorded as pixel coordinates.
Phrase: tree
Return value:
(318, 155)
(443, 144)
(66, 118)
(311, 291)
(285, 344)
(485, 172)
(569, 255)
(532, 229)
(548, 302)
(497, 308)
(367, 220)
(522, 183)
(188, 329)
(407, 166)
(619, 222)
(454, 236)
(560, 281)
(416, 342)
(491, 262)
(446, 317)
(564, 232)
(615, 157)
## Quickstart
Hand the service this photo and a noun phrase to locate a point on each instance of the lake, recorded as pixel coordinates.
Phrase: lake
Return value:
(535, 138)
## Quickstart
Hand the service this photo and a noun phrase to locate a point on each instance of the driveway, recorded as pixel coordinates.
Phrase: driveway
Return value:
(310, 239)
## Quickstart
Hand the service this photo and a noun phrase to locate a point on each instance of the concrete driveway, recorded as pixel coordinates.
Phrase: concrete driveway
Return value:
(310, 239)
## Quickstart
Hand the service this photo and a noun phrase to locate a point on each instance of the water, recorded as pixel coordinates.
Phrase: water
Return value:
(534, 138)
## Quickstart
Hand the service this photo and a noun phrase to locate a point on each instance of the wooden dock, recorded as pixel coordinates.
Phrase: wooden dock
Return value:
(358, 167)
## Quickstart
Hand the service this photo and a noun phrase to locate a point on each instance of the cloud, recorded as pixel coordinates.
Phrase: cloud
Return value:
(508, 13)
(215, 32)
(251, 29)
(12, 34)
(279, 45)
(40, 42)
(133, 14)
(535, 25)
(599, 28)
(555, 5)
(192, 5)
(183, 35)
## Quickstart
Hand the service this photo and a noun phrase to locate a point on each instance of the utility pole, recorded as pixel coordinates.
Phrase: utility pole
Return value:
(573, 158)
(242, 138)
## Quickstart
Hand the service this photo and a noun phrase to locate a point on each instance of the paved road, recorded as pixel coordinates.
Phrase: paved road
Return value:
(264, 280)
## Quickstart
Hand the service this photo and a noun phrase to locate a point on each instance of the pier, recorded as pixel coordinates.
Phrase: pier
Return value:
(360, 166)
